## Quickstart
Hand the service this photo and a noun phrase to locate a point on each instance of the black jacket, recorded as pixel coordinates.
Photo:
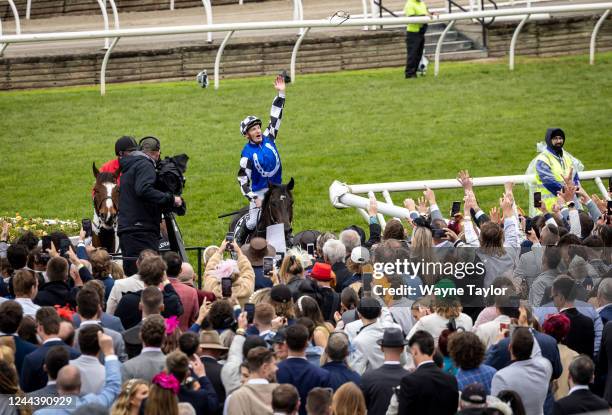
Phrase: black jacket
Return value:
(342, 275)
(213, 373)
(140, 203)
(127, 309)
(581, 336)
(56, 293)
(604, 365)
(428, 390)
(378, 386)
(580, 402)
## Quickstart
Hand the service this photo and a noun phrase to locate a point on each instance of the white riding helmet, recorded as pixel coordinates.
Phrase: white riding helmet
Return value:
(248, 122)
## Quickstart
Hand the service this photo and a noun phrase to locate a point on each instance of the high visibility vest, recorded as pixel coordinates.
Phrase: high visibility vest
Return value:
(560, 167)
(415, 8)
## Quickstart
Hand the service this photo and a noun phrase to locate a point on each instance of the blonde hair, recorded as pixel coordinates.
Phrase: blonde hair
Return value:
(161, 402)
(208, 253)
(260, 296)
(117, 271)
(129, 388)
(348, 400)
(448, 308)
(294, 263)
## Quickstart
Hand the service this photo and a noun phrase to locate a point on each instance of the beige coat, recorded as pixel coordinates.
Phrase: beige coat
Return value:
(242, 287)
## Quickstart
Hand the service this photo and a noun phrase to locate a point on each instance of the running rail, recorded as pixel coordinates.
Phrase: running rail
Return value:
(544, 13)
(342, 195)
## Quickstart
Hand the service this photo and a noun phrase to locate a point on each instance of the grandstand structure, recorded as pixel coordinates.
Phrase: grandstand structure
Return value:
(181, 55)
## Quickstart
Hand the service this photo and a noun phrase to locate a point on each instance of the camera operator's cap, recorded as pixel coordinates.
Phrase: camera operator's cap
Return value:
(369, 308)
(279, 337)
(474, 393)
(321, 272)
(360, 255)
(256, 250)
(280, 293)
(248, 122)
(392, 337)
(125, 143)
(149, 144)
(209, 339)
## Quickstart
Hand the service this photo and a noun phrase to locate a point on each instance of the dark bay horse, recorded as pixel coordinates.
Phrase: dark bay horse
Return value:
(106, 202)
(277, 207)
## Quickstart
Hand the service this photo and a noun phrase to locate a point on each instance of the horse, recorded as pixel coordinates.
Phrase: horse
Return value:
(277, 207)
(106, 202)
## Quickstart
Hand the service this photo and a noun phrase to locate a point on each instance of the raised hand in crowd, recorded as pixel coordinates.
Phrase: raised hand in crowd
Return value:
(204, 310)
(243, 322)
(53, 251)
(583, 196)
(469, 202)
(494, 215)
(506, 205)
(422, 206)
(508, 188)
(567, 193)
(372, 206)
(464, 178)
(601, 204)
(106, 344)
(450, 235)
(430, 196)
(410, 205)
(198, 368)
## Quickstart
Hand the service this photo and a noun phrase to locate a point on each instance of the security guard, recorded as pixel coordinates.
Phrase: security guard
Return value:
(415, 36)
(552, 165)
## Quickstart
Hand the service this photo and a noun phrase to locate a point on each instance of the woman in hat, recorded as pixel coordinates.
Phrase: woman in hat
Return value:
(256, 250)
(240, 271)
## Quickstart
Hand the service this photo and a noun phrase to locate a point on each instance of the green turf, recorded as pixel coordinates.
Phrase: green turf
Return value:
(358, 127)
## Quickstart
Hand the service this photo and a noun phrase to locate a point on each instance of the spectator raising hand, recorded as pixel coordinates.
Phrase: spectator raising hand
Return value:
(464, 178)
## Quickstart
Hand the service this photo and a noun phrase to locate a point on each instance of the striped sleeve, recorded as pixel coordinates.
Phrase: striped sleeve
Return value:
(244, 177)
(276, 114)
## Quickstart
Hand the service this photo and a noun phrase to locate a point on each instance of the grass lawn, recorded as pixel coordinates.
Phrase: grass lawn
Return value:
(358, 127)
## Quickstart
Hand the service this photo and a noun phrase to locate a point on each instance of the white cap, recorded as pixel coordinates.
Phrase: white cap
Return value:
(360, 255)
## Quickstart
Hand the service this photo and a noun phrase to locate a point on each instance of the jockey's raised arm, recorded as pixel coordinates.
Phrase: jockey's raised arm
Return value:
(276, 111)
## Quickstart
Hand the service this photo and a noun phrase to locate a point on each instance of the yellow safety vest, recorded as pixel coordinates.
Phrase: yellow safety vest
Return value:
(559, 168)
(415, 8)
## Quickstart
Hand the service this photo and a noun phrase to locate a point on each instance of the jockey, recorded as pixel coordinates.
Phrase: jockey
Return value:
(123, 147)
(260, 162)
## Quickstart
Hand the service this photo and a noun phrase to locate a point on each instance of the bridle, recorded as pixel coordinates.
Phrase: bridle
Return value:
(98, 207)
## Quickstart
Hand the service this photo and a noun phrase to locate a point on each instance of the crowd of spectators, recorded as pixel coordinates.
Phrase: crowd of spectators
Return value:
(315, 335)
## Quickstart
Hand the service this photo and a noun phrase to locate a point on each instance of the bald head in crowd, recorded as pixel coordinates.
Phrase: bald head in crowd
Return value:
(187, 274)
(69, 380)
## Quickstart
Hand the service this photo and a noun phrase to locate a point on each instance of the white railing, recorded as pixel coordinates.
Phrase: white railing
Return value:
(11, 3)
(342, 195)
(545, 12)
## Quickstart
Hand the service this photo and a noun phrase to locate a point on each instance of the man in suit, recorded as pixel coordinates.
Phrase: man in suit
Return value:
(11, 315)
(580, 399)
(528, 376)
(56, 358)
(92, 371)
(106, 320)
(210, 351)
(337, 350)
(367, 355)
(378, 385)
(151, 303)
(296, 370)
(33, 376)
(604, 300)
(581, 336)
(255, 396)
(151, 360)
(69, 383)
(604, 365)
(89, 307)
(427, 390)
(152, 272)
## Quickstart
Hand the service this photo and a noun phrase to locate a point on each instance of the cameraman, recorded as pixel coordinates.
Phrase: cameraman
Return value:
(141, 203)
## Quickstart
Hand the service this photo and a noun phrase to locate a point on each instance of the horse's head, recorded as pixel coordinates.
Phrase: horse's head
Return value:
(277, 206)
(106, 197)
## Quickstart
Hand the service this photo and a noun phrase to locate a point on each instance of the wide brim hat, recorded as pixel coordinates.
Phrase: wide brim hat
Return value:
(256, 250)
(209, 339)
